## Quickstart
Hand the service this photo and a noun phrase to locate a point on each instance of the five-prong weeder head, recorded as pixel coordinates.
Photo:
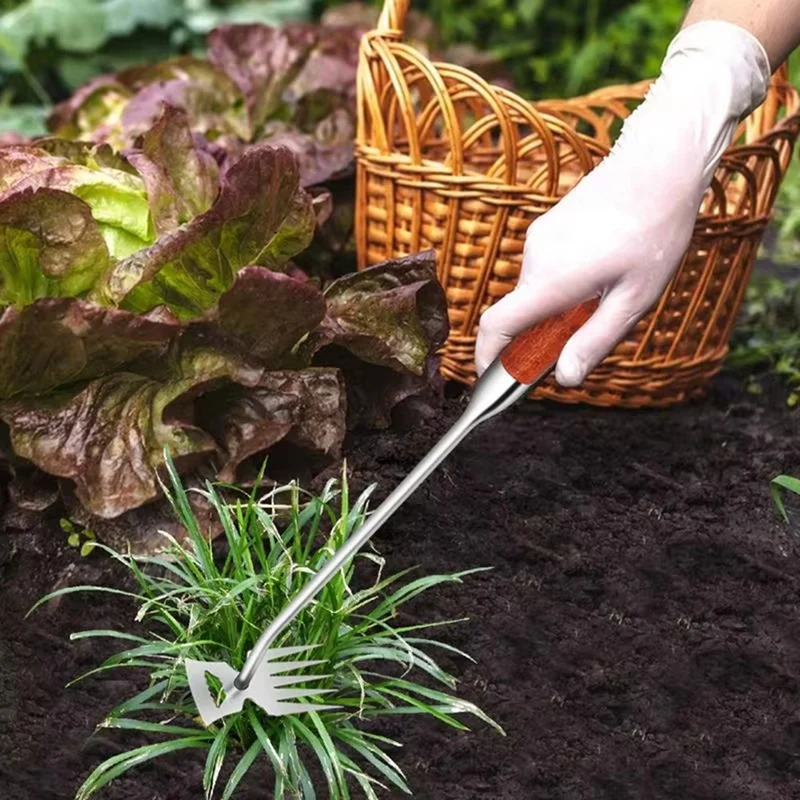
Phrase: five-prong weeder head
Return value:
(271, 688)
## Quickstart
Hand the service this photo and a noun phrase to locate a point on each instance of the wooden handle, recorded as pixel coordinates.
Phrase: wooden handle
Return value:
(532, 354)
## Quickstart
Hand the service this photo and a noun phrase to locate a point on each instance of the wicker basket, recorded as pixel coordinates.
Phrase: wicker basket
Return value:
(447, 161)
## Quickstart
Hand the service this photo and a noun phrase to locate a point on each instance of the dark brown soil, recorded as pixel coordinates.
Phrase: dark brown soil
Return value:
(639, 636)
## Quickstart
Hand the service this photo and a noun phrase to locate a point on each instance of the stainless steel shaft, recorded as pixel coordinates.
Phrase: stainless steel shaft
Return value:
(494, 392)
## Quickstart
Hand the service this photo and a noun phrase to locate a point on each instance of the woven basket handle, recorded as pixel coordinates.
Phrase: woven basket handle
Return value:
(393, 16)
(535, 352)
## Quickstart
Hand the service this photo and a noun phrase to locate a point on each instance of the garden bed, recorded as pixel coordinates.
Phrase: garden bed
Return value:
(639, 636)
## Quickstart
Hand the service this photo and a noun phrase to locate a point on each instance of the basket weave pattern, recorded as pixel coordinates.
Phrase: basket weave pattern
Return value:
(447, 161)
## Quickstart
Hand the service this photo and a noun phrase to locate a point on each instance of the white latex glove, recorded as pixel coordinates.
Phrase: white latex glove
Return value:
(621, 233)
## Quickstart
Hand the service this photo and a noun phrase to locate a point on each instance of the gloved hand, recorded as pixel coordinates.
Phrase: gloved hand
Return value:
(621, 233)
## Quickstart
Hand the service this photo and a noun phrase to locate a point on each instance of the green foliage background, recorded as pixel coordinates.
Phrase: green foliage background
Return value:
(49, 47)
(561, 48)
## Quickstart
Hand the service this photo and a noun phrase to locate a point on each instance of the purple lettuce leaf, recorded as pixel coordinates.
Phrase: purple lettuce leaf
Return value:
(210, 114)
(50, 246)
(262, 61)
(109, 436)
(325, 154)
(383, 327)
(299, 83)
(18, 161)
(181, 180)
(57, 341)
(261, 217)
(209, 97)
(331, 66)
(379, 397)
(303, 411)
(332, 252)
(12, 137)
(392, 315)
(268, 312)
(30, 489)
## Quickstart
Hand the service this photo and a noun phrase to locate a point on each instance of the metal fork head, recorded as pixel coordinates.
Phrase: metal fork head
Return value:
(269, 688)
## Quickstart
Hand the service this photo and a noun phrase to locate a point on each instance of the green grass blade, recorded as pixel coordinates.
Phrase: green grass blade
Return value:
(110, 634)
(117, 765)
(375, 756)
(215, 759)
(783, 482)
(442, 713)
(411, 590)
(246, 761)
(299, 781)
(106, 667)
(326, 757)
(75, 589)
(123, 723)
(267, 745)
(363, 780)
(136, 703)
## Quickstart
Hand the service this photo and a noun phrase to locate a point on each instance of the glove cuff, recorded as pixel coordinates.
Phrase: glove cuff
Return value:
(721, 44)
(714, 74)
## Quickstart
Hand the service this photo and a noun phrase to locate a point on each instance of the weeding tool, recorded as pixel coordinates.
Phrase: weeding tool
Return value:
(263, 679)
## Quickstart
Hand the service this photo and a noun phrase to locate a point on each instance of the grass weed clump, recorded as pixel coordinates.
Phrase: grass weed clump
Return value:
(193, 603)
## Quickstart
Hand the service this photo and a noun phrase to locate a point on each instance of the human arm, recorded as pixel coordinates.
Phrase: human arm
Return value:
(635, 212)
(775, 23)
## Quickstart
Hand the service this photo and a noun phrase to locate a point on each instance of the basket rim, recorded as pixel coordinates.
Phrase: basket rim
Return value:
(788, 94)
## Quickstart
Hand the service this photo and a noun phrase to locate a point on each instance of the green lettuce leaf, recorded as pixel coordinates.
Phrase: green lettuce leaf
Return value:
(93, 112)
(87, 154)
(181, 180)
(115, 194)
(50, 246)
(58, 341)
(261, 217)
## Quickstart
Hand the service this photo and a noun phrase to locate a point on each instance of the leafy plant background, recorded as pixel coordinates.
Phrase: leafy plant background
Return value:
(560, 48)
(48, 48)
(550, 48)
